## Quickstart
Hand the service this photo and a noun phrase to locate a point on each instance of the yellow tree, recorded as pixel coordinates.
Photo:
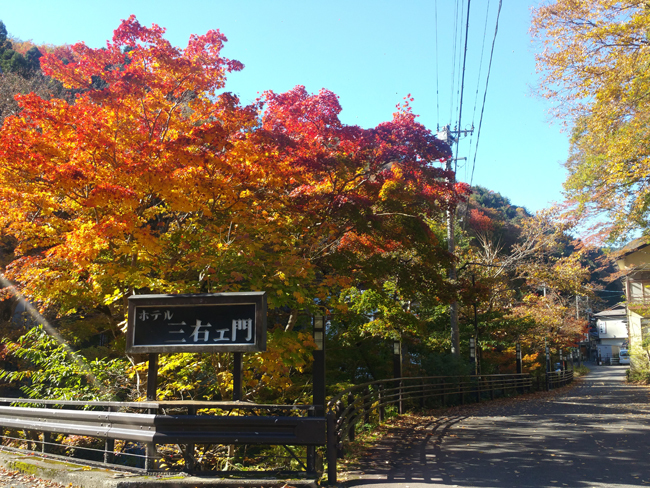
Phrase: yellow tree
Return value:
(594, 59)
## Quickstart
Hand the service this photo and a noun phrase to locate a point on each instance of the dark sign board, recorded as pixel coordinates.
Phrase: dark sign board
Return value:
(216, 322)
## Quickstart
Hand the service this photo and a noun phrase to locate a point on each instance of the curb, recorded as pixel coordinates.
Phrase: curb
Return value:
(82, 476)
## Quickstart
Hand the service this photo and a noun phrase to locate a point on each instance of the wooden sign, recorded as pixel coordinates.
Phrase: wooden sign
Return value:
(216, 322)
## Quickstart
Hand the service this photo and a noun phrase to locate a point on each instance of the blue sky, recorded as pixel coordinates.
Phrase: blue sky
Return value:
(371, 54)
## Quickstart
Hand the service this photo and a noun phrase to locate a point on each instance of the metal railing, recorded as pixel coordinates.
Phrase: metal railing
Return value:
(189, 424)
(555, 379)
(366, 403)
(152, 424)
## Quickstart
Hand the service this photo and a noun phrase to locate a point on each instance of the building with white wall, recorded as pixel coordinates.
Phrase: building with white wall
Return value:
(611, 326)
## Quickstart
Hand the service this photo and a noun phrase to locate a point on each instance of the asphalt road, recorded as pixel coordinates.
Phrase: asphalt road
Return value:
(596, 434)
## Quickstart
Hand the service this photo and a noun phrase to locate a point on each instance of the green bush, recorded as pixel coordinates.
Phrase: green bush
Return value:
(581, 370)
(640, 377)
(49, 369)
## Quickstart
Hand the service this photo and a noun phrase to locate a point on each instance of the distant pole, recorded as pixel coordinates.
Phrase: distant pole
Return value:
(472, 353)
(477, 359)
(579, 356)
(397, 373)
(318, 376)
(548, 365)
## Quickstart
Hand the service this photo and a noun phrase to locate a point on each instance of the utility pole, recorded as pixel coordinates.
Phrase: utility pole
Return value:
(447, 135)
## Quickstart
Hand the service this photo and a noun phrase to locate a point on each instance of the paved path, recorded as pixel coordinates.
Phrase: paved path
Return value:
(596, 434)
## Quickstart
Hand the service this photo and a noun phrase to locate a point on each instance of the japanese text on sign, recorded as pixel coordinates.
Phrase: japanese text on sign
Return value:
(201, 326)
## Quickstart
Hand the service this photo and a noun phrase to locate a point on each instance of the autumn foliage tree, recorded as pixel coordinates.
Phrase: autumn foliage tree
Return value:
(155, 180)
(522, 289)
(593, 59)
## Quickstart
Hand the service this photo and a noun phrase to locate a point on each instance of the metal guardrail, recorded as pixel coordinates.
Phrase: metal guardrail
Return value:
(168, 429)
(152, 429)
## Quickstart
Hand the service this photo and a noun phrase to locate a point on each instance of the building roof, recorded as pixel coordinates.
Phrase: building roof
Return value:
(632, 246)
(610, 313)
(618, 310)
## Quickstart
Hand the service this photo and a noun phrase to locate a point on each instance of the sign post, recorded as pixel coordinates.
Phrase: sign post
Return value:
(152, 377)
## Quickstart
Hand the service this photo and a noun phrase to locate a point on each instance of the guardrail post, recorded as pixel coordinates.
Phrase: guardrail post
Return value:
(47, 439)
(109, 445)
(478, 389)
(190, 462)
(332, 448)
(150, 453)
(151, 457)
(381, 410)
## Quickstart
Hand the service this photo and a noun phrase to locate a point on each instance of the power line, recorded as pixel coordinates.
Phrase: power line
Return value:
(462, 83)
(478, 77)
(437, 83)
(453, 63)
(487, 81)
